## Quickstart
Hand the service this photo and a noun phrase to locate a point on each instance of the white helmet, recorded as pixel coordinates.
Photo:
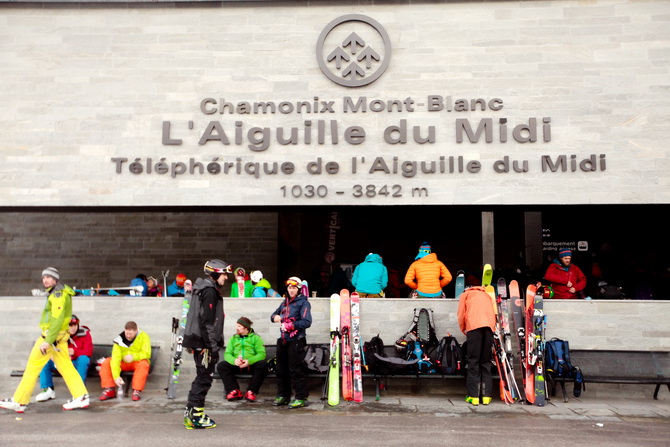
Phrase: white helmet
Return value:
(256, 276)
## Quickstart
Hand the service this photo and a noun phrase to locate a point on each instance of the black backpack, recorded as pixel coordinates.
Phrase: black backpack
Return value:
(421, 329)
(558, 365)
(448, 357)
(379, 364)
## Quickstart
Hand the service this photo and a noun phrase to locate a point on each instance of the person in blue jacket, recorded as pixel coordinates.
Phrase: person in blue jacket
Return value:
(294, 316)
(262, 287)
(370, 277)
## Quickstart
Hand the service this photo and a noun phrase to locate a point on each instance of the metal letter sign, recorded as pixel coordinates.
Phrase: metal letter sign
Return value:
(353, 50)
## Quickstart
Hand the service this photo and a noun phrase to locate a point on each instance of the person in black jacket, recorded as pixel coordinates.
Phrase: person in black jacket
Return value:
(294, 316)
(203, 335)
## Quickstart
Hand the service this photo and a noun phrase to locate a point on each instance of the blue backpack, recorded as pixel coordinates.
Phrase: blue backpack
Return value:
(558, 365)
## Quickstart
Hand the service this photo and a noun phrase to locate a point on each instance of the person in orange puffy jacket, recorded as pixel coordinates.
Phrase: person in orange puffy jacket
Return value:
(427, 275)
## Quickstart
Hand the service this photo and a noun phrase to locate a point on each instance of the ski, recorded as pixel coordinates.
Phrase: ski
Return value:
(531, 353)
(356, 345)
(487, 275)
(538, 333)
(460, 284)
(518, 314)
(334, 369)
(178, 327)
(345, 337)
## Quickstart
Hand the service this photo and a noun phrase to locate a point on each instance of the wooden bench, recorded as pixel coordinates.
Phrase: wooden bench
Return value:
(105, 350)
(620, 367)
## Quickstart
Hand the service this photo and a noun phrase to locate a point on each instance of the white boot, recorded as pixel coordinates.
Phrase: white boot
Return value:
(9, 404)
(80, 402)
(45, 395)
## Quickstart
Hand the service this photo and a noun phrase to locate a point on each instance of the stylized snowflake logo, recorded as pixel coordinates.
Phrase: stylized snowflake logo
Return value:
(353, 50)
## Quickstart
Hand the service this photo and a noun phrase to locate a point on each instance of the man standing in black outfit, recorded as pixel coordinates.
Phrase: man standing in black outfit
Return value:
(203, 336)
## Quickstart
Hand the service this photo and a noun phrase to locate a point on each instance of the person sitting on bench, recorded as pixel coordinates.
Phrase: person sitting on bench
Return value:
(131, 352)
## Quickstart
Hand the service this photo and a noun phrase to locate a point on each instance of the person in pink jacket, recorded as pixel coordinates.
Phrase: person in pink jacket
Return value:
(567, 280)
(477, 319)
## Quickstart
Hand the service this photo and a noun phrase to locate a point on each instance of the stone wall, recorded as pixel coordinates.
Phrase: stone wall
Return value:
(111, 247)
(623, 325)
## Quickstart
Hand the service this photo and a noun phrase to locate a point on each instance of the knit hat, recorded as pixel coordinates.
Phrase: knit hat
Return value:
(565, 252)
(74, 319)
(51, 271)
(424, 250)
(244, 321)
(180, 279)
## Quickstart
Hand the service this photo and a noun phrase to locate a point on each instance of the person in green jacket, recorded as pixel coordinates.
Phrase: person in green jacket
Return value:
(131, 352)
(245, 351)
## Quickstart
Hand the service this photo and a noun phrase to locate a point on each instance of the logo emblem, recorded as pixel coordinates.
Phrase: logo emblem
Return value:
(353, 50)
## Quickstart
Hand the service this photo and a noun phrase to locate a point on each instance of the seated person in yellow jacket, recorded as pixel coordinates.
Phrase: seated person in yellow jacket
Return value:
(427, 275)
(131, 352)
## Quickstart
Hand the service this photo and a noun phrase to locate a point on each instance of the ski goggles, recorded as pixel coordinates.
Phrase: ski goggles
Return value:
(292, 282)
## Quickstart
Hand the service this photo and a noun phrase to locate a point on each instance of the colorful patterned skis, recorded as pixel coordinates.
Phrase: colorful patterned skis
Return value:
(530, 351)
(334, 368)
(538, 333)
(518, 312)
(356, 342)
(345, 326)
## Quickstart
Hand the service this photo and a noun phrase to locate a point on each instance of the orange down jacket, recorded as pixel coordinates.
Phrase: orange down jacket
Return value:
(427, 275)
(475, 310)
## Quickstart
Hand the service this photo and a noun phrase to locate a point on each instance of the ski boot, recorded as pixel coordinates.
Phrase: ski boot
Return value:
(472, 400)
(486, 400)
(195, 418)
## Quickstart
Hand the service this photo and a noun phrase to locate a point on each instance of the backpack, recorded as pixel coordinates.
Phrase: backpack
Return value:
(448, 356)
(422, 329)
(379, 364)
(416, 351)
(558, 365)
(606, 291)
(317, 358)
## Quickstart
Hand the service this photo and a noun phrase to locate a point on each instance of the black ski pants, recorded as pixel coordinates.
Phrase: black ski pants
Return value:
(202, 382)
(480, 342)
(290, 369)
(227, 373)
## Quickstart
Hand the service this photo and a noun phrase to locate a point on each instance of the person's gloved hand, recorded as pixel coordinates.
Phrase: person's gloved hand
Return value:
(287, 326)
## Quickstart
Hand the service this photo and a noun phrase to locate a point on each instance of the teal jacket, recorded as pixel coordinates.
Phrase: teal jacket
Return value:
(250, 347)
(371, 275)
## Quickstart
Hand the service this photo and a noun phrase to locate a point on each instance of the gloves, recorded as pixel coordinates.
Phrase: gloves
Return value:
(287, 326)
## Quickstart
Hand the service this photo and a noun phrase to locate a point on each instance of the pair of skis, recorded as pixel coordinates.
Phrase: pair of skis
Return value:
(178, 327)
(531, 322)
(345, 349)
(502, 340)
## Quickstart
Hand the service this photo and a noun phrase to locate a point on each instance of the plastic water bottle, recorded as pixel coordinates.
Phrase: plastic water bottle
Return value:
(119, 393)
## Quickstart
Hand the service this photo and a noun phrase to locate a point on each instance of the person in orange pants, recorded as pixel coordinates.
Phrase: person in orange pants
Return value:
(131, 352)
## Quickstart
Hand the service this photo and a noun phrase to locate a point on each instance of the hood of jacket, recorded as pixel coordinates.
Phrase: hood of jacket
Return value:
(429, 258)
(263, 283)
(373, 257)
(122, 341)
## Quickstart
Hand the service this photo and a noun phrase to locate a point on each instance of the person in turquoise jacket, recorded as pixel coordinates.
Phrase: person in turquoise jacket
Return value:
(370, 277)
(262, 287)
(245, 352)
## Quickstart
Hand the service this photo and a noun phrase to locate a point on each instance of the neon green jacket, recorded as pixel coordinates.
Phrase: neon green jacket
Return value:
(139, 348)
(250, 347)
(57, 314)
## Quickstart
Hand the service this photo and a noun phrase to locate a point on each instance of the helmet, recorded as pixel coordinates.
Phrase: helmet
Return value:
(294, 281)
(256, 276)
(180, 279)
(217, 266)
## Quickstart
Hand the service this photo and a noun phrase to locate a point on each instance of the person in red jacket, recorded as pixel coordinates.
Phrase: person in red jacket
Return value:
(477, 319)
(566, 279)
(80, 348)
